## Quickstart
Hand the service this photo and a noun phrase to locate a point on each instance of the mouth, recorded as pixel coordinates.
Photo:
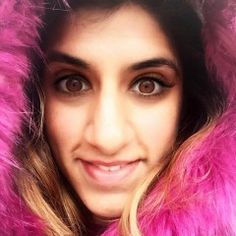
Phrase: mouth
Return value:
(109, 174)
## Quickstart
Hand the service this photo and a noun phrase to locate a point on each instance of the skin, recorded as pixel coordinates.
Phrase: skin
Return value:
(113, 118)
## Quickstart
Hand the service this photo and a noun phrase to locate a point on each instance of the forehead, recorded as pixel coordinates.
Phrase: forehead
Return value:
(126, 21)
(129, 32)
(131, 16)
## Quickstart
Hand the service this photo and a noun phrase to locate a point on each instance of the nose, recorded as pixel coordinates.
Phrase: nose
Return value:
(108, 130)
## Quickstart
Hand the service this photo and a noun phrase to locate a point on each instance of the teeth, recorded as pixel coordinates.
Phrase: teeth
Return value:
(114, 168)
(103, 167)
(109, 168)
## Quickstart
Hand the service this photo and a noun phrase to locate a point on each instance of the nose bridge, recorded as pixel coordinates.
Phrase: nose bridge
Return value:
(109, 121)
(108, 112)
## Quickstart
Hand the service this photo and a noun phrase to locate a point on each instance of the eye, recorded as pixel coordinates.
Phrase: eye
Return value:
(148, 85)
(73, 84)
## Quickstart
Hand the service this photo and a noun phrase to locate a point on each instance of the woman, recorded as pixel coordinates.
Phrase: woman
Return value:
(130, 133)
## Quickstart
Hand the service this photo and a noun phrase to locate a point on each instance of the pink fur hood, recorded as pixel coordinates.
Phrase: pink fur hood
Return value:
(203, 195)
(18, 34)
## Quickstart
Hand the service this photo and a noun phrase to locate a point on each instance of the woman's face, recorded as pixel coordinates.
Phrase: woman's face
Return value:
(113, 99)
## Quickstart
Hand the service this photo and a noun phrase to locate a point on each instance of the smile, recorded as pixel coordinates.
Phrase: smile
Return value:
(109, 174)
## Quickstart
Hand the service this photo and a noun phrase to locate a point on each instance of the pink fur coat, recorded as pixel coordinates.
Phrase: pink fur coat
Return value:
(202, 197)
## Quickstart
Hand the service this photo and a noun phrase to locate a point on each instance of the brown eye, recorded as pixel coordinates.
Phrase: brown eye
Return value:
(149, 85)
(73, 84)
(146, 86)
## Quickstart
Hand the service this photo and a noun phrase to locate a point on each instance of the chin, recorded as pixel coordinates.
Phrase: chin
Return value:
(106, 214)
(105, 204)
(106, 207)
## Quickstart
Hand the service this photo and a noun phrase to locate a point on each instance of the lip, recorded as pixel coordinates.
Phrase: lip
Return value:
(109, 174)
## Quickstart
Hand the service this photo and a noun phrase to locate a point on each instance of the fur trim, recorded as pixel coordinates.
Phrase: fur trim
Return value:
(18, 27)
(219, 34)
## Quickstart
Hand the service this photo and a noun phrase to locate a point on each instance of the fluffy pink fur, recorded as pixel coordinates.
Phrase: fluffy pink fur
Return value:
(18, 34)
(219, 34)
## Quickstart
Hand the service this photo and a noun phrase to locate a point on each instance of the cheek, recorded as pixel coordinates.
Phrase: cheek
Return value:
(64, 126)
(161, 125)
(156, 127)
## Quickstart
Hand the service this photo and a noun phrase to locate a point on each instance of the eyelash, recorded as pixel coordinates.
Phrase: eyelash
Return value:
(159, 84)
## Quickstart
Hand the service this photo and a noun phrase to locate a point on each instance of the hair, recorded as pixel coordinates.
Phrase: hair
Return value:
(41, 183)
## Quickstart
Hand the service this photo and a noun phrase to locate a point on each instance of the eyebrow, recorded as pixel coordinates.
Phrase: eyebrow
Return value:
(155, 62)
(55, 56)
